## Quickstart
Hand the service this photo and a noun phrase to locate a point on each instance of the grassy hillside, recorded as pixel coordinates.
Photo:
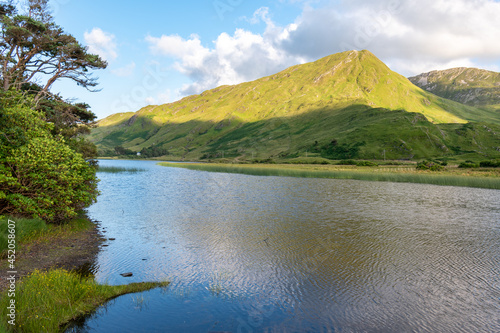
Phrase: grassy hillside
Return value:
(471, 86)
(351, 99)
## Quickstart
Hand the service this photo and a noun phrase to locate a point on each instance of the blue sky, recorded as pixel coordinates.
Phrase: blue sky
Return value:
(160, 51)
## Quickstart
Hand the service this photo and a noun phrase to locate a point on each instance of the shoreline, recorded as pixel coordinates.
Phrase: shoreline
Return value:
(54, 276)
(487, 179)
(70, 251)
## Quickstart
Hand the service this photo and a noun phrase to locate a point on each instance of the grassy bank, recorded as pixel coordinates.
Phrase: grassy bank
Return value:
(48, 294)
(47, 301)
(31, 231)
(487, 178)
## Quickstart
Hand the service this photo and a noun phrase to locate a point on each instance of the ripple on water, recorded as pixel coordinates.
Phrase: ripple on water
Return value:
(290, 254)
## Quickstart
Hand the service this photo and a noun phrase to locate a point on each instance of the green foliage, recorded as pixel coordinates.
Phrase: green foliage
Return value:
(40, 175)
(35, 53)
(153, 151)
(335, 151)
(490, 164)
(468, 165)
(48, 180)
(32, 44)
(120, 151)
(431, 166)
(71, 121)
(357, 163)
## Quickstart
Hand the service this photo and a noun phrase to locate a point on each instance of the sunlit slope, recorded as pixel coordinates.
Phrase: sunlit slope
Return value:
(339, 97)
(471, 86)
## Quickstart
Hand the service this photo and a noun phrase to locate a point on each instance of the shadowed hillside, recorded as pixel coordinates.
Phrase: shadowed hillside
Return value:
(345, 104)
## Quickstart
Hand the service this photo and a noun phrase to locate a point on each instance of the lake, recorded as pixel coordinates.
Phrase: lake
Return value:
(270, 254)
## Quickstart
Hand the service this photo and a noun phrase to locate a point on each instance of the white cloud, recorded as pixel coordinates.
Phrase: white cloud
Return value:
(231, 59)
(101, 43)
(124, 71)
(436, 32)
(411, 36)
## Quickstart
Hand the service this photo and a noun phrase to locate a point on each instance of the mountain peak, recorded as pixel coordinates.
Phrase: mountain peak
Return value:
(471, 86)
(342, 96)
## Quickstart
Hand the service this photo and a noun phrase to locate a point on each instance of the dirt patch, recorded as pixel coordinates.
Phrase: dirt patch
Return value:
(69, 252)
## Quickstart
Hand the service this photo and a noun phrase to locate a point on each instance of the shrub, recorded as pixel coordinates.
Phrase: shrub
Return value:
(428, 165)
(153, 151)
(357, 163)
(48, 180)
(40, 175)
(468, 165)
(367, 163)
(490, 164)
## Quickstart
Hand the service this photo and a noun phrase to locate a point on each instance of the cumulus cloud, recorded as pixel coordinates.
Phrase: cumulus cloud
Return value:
(231, 59)
(101, 43)
(124, 71)
(404, 32)
(411, 36)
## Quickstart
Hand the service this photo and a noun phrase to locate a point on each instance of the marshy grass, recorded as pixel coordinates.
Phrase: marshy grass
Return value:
(113, 169)
(47, 301)
(480, 179)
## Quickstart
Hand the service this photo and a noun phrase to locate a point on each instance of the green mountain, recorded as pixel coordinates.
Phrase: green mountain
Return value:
(471, 86)
(347, 105)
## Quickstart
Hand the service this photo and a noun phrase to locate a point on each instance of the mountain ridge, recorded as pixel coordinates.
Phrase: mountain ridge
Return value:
(470, 86)
(291, 112)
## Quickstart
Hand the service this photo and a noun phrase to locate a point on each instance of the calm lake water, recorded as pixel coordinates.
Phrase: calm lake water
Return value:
(269, 254)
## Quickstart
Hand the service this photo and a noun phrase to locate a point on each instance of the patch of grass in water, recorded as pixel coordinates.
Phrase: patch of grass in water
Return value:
(112, 169)
(405, 175)
(47, 301)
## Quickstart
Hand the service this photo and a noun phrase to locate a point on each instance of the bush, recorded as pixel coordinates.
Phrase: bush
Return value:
(153, 151)
(490, 164)
(468, 165)
(335, 151)
(358, 163)
(428, 165)
(50, 181)
(40, 175)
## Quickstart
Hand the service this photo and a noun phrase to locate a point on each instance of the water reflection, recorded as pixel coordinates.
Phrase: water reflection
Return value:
(285, 254)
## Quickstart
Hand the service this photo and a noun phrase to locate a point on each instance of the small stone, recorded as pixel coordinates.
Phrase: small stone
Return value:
(126, 274)
(111, 238)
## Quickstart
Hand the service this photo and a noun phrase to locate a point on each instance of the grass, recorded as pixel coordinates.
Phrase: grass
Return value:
(47, 301)
(112, 169)
(488, 178)
(28, 231)
(25, 229)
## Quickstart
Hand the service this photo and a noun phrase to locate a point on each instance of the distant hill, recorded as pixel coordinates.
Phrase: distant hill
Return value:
(345, 105)
(471, 86)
